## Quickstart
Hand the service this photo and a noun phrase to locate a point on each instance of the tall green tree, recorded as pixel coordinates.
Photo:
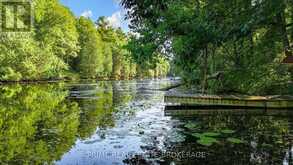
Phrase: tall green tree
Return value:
(55, 28)
(107, 35)
(25, 58)
(88, 62)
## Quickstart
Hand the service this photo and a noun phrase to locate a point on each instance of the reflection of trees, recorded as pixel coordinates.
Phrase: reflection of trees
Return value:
(97, 110)
(122, 92)
(37, 124)
(289, 155)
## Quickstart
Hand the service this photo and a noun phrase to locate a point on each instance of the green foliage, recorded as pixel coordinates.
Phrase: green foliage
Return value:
(224, 46)
(235, 140)
(227, 131)
(191, 126)
(211, 134)
(88, 62)
(55, 28)
(9, 74)
(30, 56)
(107, 35)
(207, 141)
(207, 138)
(63, 46)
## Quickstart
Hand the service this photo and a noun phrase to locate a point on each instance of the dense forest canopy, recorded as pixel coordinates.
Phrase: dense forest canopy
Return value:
(219, 45)
(61, 45)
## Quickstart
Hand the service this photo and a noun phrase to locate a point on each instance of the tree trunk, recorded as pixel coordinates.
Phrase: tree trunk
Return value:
(205, 70)
(282, 24)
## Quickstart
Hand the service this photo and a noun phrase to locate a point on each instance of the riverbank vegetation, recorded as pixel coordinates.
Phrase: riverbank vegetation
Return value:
(232, 46)
(61, 45)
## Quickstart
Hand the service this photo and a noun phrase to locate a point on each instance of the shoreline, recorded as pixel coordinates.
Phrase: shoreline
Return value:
(68, 80)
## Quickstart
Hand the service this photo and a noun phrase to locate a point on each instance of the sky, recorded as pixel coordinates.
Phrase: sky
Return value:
(96, 8)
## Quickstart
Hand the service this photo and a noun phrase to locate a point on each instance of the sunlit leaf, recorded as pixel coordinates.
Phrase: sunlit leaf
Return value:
(191, 125)
(235, 140)
(228, 131)
(211, 134)
(207, 141)
(198, 135)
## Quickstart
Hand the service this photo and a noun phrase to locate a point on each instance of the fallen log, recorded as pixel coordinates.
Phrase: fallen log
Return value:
(165, 88)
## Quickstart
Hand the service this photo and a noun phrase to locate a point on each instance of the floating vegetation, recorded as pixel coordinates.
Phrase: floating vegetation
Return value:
(210, 138)
(198, 135)
(192, 126)
(207, 141)
(235, 140)
(227, 131)
(207, 138)
(212, 134)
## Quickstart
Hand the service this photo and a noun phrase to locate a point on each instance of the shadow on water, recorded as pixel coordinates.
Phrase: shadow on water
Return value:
(122, 122)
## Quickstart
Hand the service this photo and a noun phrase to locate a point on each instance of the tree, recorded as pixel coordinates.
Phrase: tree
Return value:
(243, 41)
(62, 46)
(24, 58)
(55, 28)
(107, 35)
(88, 62)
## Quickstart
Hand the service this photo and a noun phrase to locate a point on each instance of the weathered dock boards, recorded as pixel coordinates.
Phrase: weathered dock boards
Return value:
(178, 111)
(214, 101)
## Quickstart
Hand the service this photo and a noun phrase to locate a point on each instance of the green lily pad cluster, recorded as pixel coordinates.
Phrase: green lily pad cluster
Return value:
(235, 140)
(207, 138)
(210, 138)
(191, 126)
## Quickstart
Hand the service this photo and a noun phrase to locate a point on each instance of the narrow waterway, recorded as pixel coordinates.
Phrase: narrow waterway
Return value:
(123, 122)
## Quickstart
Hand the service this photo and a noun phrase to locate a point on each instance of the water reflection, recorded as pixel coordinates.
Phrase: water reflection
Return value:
(124, 122)
(38, 125)
(96, 107)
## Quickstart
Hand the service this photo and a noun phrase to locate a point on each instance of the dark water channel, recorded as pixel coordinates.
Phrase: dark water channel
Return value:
(123, 122)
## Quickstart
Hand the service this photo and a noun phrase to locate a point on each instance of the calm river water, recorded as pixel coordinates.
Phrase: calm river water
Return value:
(123, 122)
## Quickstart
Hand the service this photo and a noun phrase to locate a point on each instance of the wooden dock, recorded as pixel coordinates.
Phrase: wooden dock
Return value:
(227, 101)
(179, 111)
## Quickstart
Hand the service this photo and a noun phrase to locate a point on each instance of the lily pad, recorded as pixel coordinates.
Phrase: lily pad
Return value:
(198, 135)
(211, 134)
(235, 140)
(191, 125)
(207, 141)
(228, 131)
